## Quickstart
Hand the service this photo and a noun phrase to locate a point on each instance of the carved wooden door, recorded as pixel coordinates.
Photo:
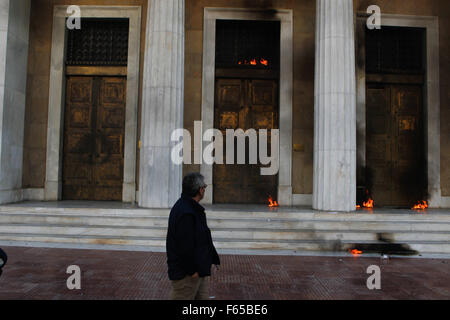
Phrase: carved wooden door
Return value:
(244, 104)
(395, 144)
(94, 138)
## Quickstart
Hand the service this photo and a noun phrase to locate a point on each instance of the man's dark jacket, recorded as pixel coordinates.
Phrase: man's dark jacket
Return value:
(3, 258)
(189, 244)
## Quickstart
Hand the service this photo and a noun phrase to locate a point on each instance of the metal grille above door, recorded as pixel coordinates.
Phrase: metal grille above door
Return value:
(99, 42)
(395, 50)
(241, 43)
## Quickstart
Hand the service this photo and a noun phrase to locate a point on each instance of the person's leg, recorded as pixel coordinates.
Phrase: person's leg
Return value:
(203, 289)
(184, 289)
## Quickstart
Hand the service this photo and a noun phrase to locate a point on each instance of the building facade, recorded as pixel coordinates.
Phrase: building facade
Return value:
(89, 114)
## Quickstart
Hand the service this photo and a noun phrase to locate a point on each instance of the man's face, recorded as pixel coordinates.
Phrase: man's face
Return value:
(202, 191)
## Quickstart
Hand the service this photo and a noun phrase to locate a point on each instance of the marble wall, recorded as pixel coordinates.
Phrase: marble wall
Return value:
(14, 32)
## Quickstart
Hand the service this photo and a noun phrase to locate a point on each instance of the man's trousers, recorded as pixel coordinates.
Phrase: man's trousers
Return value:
(190, 288)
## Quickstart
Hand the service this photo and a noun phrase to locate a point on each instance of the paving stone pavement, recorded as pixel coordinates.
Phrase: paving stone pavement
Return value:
(40, 273)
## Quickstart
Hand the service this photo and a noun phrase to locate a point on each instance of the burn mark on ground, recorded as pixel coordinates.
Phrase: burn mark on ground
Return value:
(386, 245)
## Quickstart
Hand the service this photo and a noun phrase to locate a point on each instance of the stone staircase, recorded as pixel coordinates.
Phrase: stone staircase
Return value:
(284, 229)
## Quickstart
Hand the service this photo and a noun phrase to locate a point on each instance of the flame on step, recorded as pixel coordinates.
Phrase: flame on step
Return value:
(355, 252)
(272, 203)
(368, 204)
(422, 205)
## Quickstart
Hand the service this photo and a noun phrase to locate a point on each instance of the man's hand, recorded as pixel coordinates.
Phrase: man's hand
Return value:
(195, 275)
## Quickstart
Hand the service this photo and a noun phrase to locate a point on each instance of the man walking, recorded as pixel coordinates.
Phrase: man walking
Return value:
(190, 250)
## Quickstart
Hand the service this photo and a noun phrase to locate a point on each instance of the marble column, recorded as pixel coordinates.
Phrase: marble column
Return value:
(162, 106)
(335, 108)
(14, 40)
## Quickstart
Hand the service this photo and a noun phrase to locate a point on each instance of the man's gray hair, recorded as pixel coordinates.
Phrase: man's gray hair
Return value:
(192, 183)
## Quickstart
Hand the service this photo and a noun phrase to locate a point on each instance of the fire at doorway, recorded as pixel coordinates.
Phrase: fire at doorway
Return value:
(246, 97)
(395, 132)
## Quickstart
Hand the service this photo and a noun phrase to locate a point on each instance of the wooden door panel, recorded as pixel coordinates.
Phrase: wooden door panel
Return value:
(80, 91)
(264, 115)
(244, 104)
(379, 146)
(112, 118)
(263, 93)
(78, 140)
(407, 99)
(228, 120)
(230, 99)
(108, 170)
(230, 93)
(93, 138)
(229, 115)
(264, 120)
(113, 92)
(80, 116)
(408, 171)
(395, 151)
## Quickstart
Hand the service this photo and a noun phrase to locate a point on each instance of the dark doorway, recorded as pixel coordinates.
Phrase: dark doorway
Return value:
(395, 145)
(246, 97)
(94, 126)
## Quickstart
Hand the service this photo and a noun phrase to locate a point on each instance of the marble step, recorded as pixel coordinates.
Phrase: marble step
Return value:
(284, 213)
(235, 223)
(223, 233)
(287, 229)
(423, 247)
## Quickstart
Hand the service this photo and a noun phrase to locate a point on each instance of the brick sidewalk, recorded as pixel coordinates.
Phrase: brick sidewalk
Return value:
(38, 273)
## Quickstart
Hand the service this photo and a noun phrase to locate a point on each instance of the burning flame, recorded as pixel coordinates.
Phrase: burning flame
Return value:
(254, 62)
(422, 205)
(355, 252)
(272, 203)
(368, 204)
